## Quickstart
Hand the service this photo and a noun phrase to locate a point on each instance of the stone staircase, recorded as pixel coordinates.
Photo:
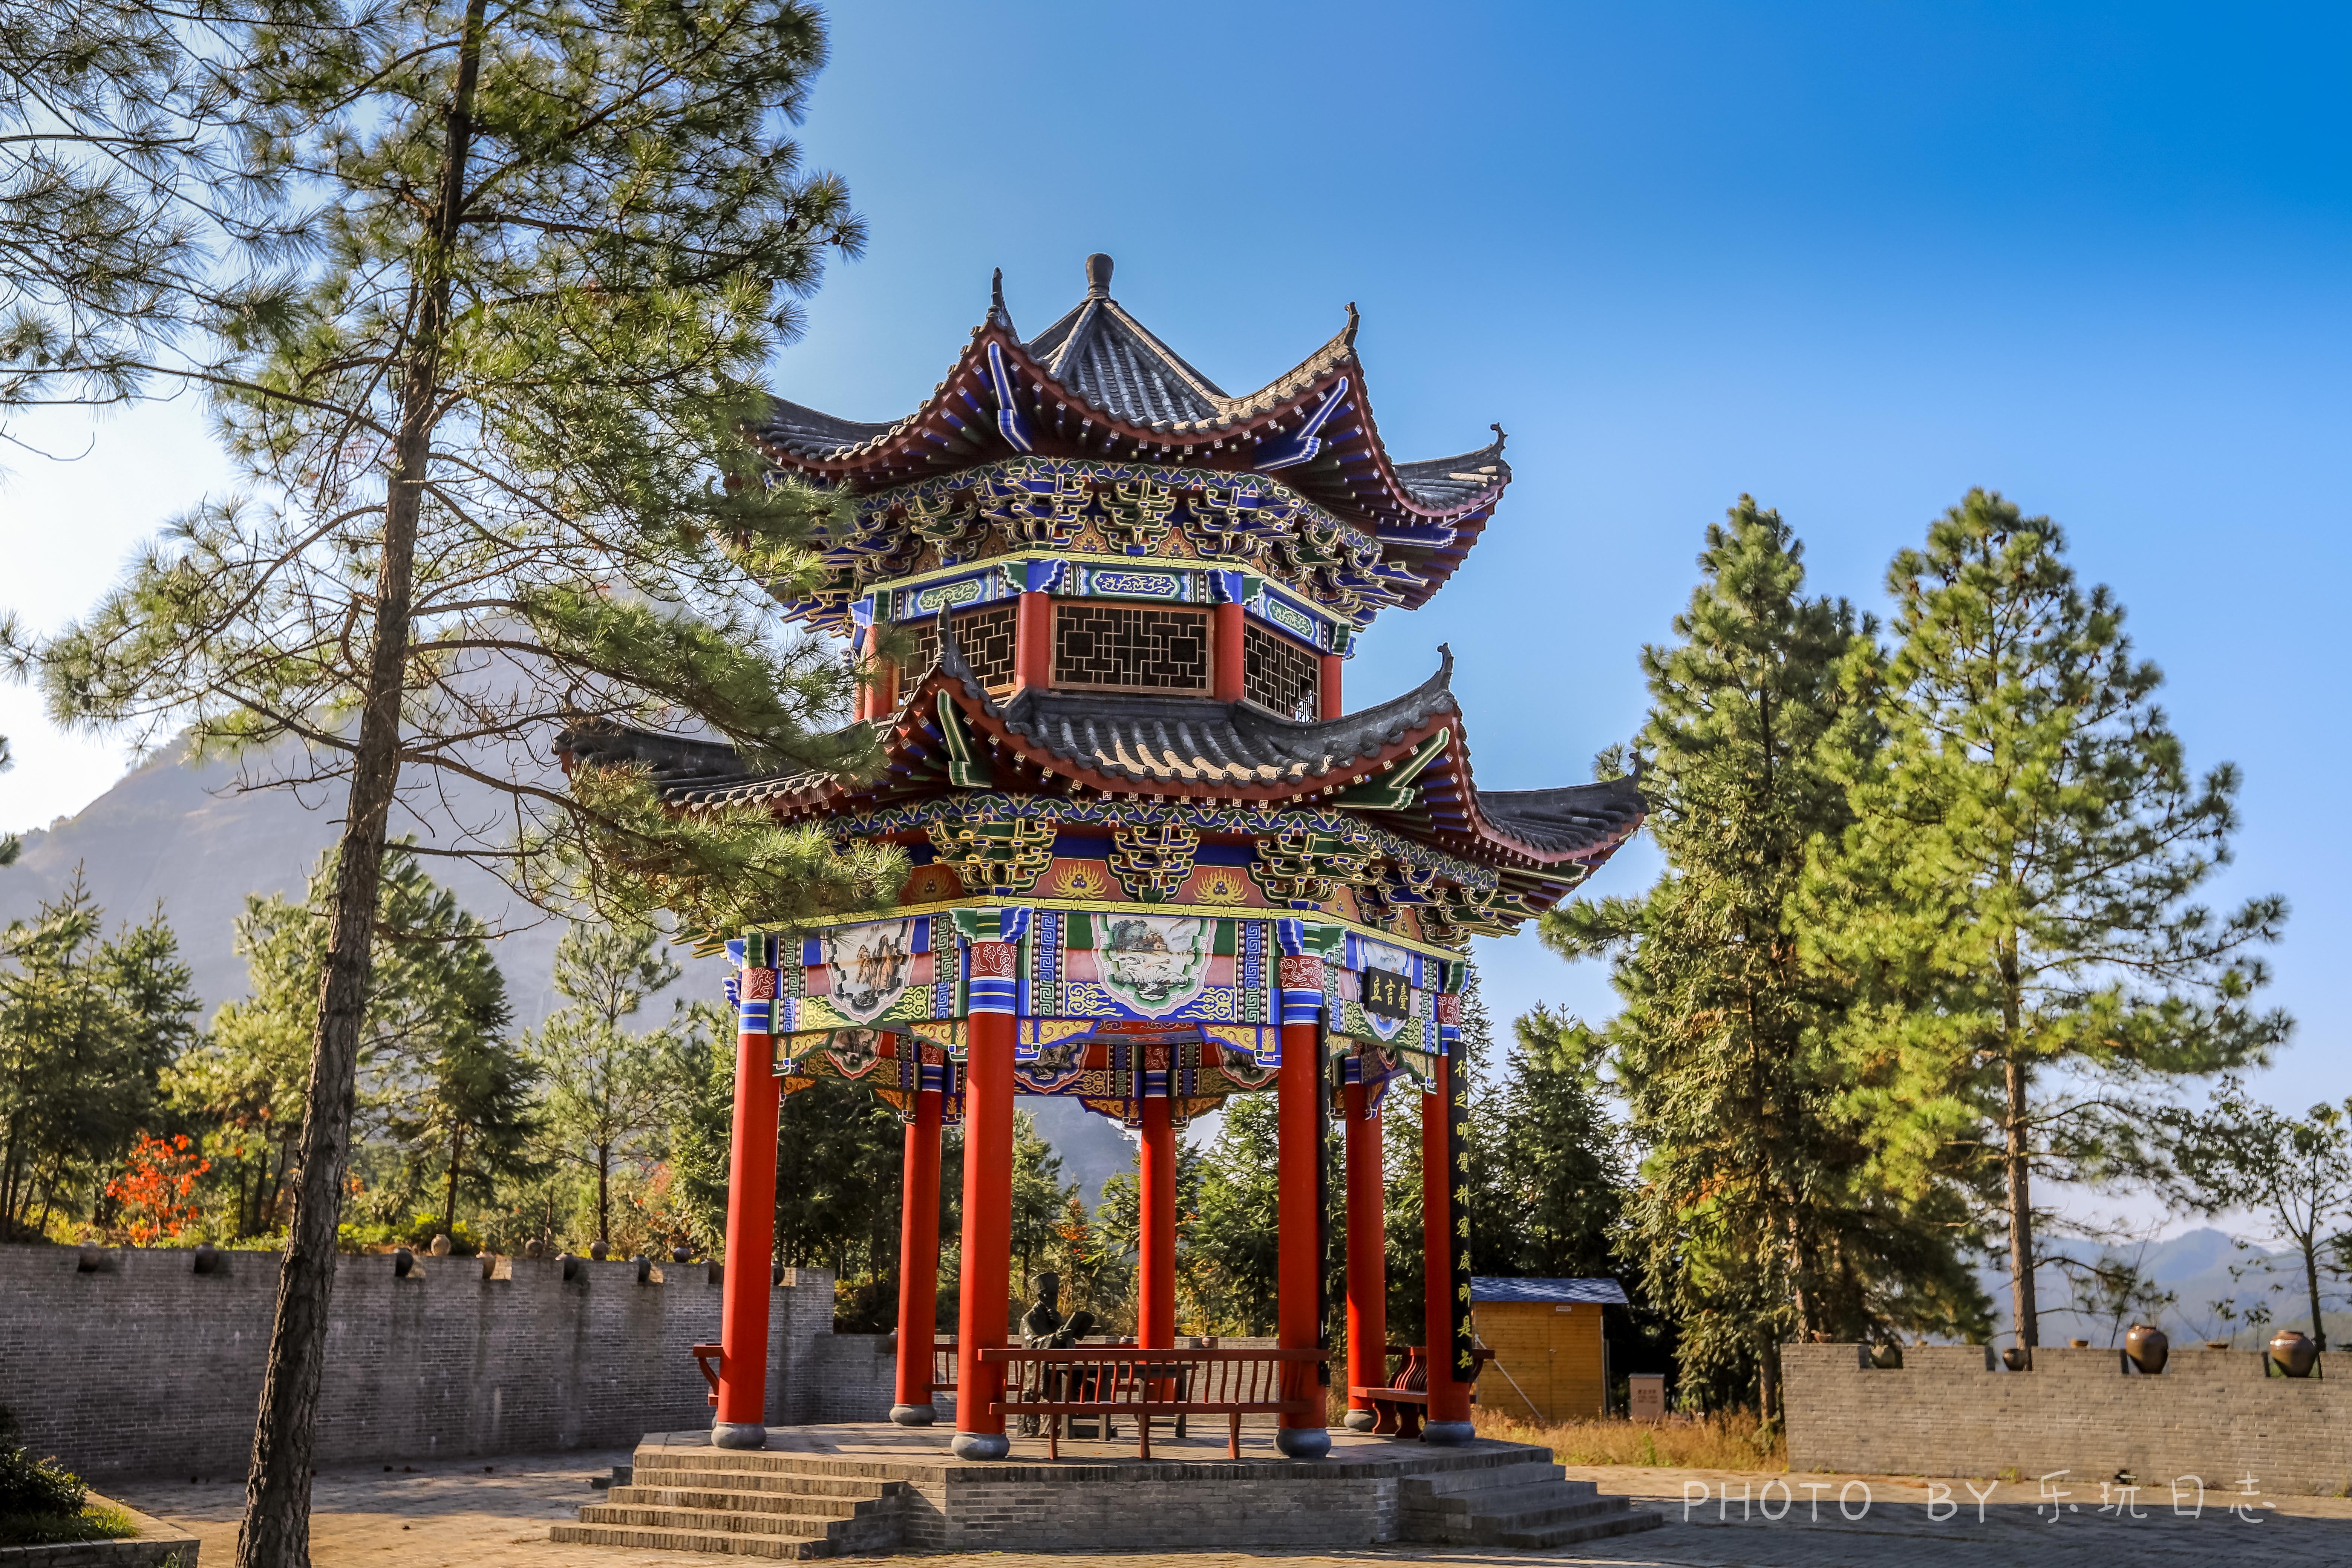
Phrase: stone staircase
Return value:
(1528, 1505)
(747, 1503)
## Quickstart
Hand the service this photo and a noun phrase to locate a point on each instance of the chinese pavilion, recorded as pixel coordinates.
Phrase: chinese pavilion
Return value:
(1156, 862)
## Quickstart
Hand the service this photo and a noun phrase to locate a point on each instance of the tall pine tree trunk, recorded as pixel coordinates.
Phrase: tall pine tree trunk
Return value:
(2017, 1157)
(276, 1530)
(450, 1202)
(605, 1193)
(2311, 1279)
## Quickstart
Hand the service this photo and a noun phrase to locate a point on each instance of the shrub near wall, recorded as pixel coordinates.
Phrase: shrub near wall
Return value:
(1949, 1411)
(143, 1367)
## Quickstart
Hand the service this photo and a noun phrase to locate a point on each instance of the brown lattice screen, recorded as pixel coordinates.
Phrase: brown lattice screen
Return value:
(1125, 648)
(1277, 674)
(985, 637)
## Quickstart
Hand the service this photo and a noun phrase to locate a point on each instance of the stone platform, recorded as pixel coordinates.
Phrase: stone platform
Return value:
(817, 1490)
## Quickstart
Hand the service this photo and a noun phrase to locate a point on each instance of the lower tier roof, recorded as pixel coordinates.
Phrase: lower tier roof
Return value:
(1403, 764)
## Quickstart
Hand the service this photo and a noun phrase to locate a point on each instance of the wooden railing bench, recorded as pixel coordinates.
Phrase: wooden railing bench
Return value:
(1398, 1405)
(1110, 1381)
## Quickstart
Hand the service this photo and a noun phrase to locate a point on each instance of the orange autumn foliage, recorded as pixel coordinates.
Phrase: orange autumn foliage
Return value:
(156, 1191)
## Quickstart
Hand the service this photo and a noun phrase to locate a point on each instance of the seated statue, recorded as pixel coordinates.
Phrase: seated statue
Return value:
(1044, 1321)
(1039, 1326)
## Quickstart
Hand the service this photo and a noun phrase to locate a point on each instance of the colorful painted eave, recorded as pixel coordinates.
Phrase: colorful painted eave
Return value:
(1547, 841)
(1311, 428)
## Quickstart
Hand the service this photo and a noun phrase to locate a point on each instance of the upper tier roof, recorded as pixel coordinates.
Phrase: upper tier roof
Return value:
(1098, 383)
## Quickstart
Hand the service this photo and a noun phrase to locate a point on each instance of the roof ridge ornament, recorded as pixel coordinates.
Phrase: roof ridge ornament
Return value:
(997, 313)
(1349, 337)
(1098, 276)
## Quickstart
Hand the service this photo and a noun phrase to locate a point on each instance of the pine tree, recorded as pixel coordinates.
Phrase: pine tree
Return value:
(1755, 1220)
(89, 1026)
(106, 149)
(485, 389)
(1039, 1196)
(607, 1086)
(1551, 1173)
(10, 844)
(435, 1073)
(2012, 898)
(1226, 1275)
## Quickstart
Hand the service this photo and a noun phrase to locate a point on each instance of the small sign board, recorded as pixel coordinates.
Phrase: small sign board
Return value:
(1649, 1395)
(1387, 994)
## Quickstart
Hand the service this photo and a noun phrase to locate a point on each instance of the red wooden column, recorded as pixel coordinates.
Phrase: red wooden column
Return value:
(1367, 1284)
(1327, 686)
(742, 1421)
(918, 1252)
(1226, 660)
(1443, 1244)
(1155, 1262)
(981, 1321)
(1033, 641)
(1299, 1267)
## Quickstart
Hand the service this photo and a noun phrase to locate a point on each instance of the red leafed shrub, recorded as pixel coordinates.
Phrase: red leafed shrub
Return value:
(156, 1189)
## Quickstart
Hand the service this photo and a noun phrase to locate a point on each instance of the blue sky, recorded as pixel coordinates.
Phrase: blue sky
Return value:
(1849, 258)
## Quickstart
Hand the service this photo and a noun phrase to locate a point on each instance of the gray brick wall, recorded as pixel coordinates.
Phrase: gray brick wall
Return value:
(1036, 1510)
(1949, 1411)
(152, 1368)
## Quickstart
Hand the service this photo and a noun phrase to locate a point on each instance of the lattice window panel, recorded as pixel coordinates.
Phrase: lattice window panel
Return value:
(1125, 648)
(986, 638)
(1278, 675)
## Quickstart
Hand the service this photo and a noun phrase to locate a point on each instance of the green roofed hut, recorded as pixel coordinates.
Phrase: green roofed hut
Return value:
(1157, 860)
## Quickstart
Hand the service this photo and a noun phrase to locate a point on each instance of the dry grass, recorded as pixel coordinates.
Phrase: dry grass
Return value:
(1733, 1442)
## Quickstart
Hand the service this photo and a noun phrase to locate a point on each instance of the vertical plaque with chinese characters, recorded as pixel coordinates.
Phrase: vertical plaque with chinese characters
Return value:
(1457, 1154)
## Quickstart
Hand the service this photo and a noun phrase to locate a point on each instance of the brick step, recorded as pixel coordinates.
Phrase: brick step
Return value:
(766, 1484)
(699, 1521)
(1627, 1520)
(744, 1502)
(1502, 1500)
(1450, 1483)
(761, 1461)
(1487, 1526)
(781, 1546)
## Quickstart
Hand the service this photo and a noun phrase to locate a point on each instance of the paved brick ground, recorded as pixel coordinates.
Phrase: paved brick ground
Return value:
(449, 1515)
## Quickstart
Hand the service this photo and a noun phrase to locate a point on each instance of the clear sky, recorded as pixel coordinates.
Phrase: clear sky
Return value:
(1849, 258)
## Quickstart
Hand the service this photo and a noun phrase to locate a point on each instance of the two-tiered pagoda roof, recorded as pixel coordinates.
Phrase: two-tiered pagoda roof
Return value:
(1167, 579)
(1099, 385)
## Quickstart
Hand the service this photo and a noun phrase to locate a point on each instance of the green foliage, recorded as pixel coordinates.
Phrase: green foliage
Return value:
(1039, 1198)
(608, 1088)
(1549, 1163)
(88, 1024)
(32, 1489)
(503, 351)
(444, 1098)
(1226, 1273)
(2012, 902)
(1758, 1218)
(97, 251)
(839, 1156)
(10, 844)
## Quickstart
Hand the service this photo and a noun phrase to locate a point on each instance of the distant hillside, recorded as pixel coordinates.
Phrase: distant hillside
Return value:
(2195, 1266)
(179, 835)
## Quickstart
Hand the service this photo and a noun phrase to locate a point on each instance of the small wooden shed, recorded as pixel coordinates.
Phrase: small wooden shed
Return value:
(1551, 1361)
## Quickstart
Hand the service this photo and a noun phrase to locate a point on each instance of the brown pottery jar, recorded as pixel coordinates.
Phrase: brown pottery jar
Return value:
(2148, 1347)
(2293, 1351)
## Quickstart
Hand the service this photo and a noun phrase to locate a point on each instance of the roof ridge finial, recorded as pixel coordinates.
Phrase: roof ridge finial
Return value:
(996, 310)
(1500, 439)
(1098, 276)
(1349, 335)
